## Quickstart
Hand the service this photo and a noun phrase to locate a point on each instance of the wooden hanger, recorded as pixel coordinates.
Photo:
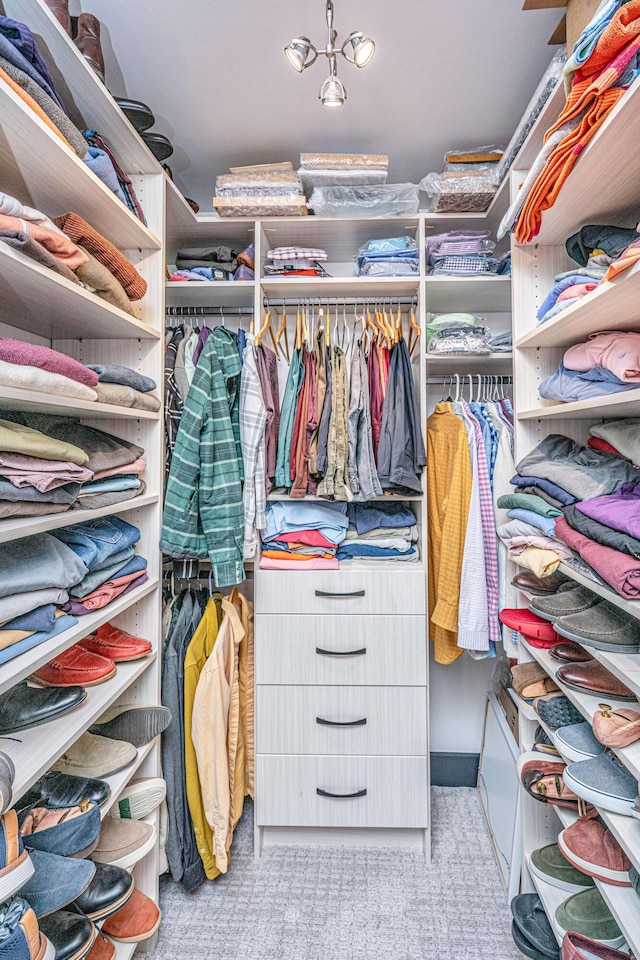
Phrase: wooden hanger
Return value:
(282, 331)
(263, 329)
(415, 332)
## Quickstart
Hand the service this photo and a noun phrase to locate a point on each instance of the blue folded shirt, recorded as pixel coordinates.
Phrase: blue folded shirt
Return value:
(546, 524)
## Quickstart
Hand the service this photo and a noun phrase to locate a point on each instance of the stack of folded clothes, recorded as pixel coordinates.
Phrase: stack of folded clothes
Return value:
(464, 253)
(391, 257)
(380, 532)
(295, 262)
(303, 536)
(462, 333)
(529, 535)
(32, 367)
(593, 248)
(606, 363)
(502, 343)
(220, 262)
(124, 387)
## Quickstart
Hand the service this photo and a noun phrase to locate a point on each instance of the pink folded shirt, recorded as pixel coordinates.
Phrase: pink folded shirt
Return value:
(56, 243)
(24, 471)
(138, 466)
(577, 290)
(110, 590)
(267, 564)
(312, 538)
(618, 352)
(32, 355)
(621, 571)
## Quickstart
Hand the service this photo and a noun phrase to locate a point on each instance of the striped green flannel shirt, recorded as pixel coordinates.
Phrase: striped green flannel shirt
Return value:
(203, 505)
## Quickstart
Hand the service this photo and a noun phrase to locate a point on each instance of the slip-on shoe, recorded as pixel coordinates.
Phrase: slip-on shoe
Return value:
(577, 742)
(71, 934)
(531, 680)
(96, 757)
(543, 744)
(115, 644)
(587, 913)
(57, 881)
(564, 603)
(109, 890)
(616, 728)
(603, 626)
(577, 947)
(530, 625)
(138, 920)
(549, 864)
(532, 922)
(136, 725)
(62, 790)
(539, 586)
(541, 776)
(140, 798)
(16, 866)
(68, 831)
(160, 146)
(137, 113)
(20, 936)
(124, 842)
(525, 946)
(556, 710)
(592, 677)
(75, 666)
(24, 707)
(591, 847)
(603, 781)
(569, 652)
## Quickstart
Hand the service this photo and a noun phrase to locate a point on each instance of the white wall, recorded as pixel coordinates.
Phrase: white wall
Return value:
(458, 693)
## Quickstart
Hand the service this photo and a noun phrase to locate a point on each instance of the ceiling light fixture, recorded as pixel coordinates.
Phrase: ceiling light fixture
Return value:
(356, 49)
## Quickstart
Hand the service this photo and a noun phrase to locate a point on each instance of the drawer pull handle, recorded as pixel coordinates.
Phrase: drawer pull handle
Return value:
(341, 723)
(341, 653)
(341, 796)
(339, 596)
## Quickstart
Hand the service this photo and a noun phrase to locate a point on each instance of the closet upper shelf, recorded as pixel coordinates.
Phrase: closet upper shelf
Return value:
(16, 527)
(205, 293)
(490, 294)
(618, 299)
(450, 363)
(40, 170)
(625, 404)
(38, 300)
(14, 398)
(337, 287)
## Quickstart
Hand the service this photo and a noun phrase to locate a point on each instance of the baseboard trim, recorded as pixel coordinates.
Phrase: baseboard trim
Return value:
(454, 769)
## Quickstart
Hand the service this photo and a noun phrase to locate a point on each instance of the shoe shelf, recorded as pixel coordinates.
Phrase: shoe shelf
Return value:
(38, 300)
(617, 298)
(525, 708)
(483, 294)
(626, 404)
(16, 670)
(35, 750)
(603, 590)
(17, 527)
(203, 293)
(38, 168)
(446, 364)
(124, 951)
(118, 781)
(551, 898)
(35, 401)
(368, 288)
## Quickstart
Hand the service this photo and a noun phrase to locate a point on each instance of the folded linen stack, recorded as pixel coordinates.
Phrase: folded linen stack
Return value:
(303, 536)
(266, 191)
(295, 262)
(606, 363)
(391, 257)
(380, 532)
(467, 183)
(341, 170)
(458, 252)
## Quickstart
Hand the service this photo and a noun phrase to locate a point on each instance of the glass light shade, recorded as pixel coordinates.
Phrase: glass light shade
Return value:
(297, 52)
(332, 93)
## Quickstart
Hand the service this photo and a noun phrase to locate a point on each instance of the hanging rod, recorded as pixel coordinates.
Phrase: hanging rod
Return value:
(337, 301)
(464, 376)
(209, 311)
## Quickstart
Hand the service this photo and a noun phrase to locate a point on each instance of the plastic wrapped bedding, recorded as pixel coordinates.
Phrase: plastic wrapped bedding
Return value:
(312, 177)
(468, 194)
(346, 161)
(460, 340)
(390, 200)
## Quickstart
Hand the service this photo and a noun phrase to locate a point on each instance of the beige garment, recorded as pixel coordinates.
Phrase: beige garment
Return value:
(95, 275)
(123, 396)
(214, 731)
(15, 438)
(540, 562)
(26, 377)
(241, 782)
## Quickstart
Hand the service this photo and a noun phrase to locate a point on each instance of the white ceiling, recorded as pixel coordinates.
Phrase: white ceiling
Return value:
(446, 74)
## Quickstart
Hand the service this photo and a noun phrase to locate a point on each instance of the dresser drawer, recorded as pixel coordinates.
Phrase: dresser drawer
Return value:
(384, 721)
(341, 791)
(341, 650)
(390, 590)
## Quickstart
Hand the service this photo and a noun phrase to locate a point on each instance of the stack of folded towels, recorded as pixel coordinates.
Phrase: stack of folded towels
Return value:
(606, 363)
(303, 536)
(380, 532)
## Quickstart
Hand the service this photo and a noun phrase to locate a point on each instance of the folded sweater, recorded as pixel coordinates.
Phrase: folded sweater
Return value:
(103, 250)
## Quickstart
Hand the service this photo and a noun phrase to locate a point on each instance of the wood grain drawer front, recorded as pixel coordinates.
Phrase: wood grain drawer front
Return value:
(342, 591)
(341, 650)
(341, 791)
(384, 721)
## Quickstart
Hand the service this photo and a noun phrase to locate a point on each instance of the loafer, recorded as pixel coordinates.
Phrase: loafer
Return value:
(530, 680)
(531, 921)
(587, 913)
(556, 710)
(616, 728)
(137, 113)
(94, 757)
(109, 890)
(20, 937)
(591, 847)
(16, 866)
(7, 775)
(549, 864)
(56, 882)
(539, 586)
(136, 725)
(529, 624)
(140, 798)
(602, 626)
(66, 831)
(541, 776)
(543, 744)
(525, 946)
(564, 603)
(138, 920)
(24, 707)
(115, 644)
(577, 742)
(63, 790)
(593, 677)
(160, 146)
(124, 842)
(577, 947)
(73, 667)
(71, 934)
(603, 781)
(569, 652)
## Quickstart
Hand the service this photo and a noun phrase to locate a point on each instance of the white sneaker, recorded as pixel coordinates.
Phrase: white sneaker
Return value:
(140, 798)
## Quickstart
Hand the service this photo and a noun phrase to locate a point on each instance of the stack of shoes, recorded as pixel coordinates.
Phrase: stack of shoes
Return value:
(532, 933)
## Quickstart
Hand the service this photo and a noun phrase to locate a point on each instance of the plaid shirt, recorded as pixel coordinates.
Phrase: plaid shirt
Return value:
(253, 419)
(203, 504)
(172, 399)
(297, 253)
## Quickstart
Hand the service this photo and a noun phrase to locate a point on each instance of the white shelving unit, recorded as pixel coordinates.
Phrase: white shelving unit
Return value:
(41, 307)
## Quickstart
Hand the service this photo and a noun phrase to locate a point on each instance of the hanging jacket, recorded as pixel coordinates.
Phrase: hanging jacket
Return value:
(401, 454)
(203, 506)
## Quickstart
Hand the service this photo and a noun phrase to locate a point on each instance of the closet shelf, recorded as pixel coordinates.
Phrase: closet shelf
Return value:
(364, 287)
(24, 665)
(604, 186)
(490, 294)
(444, 364)
(118, 781)
(38, 300)
(16, 527)
(40, 170)
(525, 709)
(185, 229)
(124, 951)
(626, 404)
(214, 293)
(13, 398)
(617, 299)
(36, 749)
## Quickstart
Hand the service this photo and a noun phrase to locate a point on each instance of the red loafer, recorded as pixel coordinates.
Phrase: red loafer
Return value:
(138, 920)
(117, 645)
(535, 630)
(75, 667)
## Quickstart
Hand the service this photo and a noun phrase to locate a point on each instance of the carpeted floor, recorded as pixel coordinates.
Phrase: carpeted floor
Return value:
(319, 903)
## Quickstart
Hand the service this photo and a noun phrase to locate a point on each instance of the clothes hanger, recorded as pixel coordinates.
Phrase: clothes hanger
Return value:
(263, 329)
(414, 331)
(458, 388)
(282, 331)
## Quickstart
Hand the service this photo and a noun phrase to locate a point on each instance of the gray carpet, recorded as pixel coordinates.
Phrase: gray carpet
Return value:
(319, 903)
